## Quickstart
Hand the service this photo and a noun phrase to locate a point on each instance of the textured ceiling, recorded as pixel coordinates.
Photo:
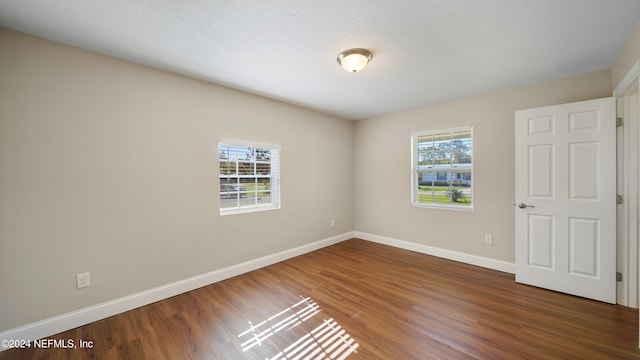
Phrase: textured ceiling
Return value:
(425, 51)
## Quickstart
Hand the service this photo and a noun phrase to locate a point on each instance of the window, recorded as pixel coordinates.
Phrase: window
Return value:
(249, 177)
(442, 168)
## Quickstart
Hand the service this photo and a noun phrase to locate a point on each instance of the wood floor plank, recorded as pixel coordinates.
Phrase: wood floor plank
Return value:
(393, 303)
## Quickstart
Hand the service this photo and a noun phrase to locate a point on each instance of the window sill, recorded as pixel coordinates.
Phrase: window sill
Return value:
(248, 209)
(444, 207)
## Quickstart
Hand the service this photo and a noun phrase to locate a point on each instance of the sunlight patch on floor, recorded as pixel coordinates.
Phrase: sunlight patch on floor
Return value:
(328, 340)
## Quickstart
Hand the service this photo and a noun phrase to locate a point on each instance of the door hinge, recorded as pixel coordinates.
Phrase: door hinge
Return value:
(619, 199)
(619, 122)
(618, 276)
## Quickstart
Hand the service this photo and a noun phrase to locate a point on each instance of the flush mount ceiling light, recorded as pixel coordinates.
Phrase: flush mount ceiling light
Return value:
(354, 60)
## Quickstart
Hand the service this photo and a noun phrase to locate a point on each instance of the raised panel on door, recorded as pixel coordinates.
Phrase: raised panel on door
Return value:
(540, 240)
(584, 171)
(541, 125)
(584, 121)
(541, 171)
(584, 241)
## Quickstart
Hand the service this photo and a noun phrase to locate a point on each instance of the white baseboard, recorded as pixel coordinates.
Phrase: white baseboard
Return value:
(439, 252)
(97, 312)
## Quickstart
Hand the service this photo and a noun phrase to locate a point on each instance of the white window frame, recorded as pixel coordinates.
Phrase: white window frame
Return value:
(274, 177)
(416, 169)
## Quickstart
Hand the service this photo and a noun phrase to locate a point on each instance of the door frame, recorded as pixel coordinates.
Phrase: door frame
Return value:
(628, 107)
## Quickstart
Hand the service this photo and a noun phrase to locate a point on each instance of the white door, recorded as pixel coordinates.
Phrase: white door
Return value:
(566, 198)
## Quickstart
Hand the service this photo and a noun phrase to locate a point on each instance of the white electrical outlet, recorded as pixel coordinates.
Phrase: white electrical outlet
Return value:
(333, 223)
(488, 239)
(83, 280)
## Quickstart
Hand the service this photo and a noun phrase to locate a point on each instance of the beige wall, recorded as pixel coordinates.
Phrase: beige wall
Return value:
(111, 167)
(383, 176)
(627, 58)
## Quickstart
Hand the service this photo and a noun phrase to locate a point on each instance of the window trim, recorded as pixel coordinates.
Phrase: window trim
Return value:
(275, 181)
(415, 169)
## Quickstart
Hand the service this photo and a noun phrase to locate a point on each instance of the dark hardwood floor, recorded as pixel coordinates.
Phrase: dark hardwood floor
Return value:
(361, 300)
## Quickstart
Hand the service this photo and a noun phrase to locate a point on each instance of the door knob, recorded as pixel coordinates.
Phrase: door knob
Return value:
(524, 206)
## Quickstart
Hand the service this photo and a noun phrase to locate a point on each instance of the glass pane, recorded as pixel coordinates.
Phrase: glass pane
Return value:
(228, 152)
(230, 193)
(264, 198)
(263, 184)
(229, 183)
(426, 180)
(246, 153)
(263, 168)
(248, 199)
(246, 168)
(223, 152)
(227, 156)
(227, 167)
(441, 190)
(442, 149)
(461, 188)
(461, 148)
(262, 154)
(426, 152)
